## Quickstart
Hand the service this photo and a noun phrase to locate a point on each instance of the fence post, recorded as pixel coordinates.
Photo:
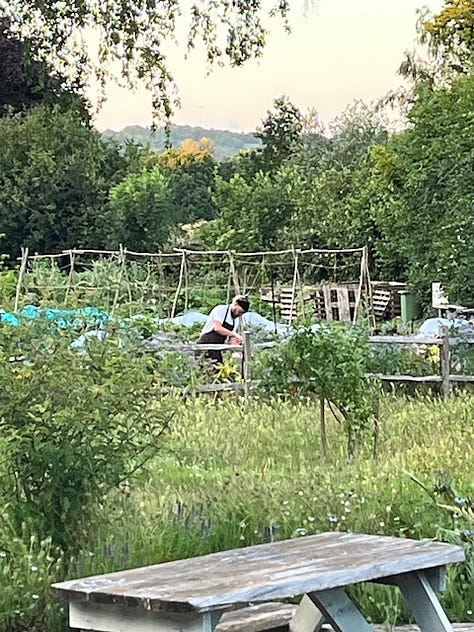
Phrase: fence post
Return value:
(445, 362)
(246, 360)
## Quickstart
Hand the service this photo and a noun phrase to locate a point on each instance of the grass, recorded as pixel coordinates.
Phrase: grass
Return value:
(233, 473)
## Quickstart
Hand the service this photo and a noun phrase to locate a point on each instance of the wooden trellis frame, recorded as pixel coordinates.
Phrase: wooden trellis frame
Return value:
(181, 257)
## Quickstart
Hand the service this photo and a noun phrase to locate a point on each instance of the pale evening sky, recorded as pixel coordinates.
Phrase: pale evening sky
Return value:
(338, 51)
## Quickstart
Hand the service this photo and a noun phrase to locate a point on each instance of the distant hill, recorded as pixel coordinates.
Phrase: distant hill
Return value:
(226, 143)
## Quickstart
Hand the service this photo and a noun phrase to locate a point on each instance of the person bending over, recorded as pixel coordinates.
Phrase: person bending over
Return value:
(222, 324)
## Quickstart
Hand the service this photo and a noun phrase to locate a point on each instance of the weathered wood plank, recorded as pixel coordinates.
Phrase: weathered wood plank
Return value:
(435, 576)
(406, 340)
(120, 618)
(405, 378)
(259, 618)
(265, 572)
(307, 617)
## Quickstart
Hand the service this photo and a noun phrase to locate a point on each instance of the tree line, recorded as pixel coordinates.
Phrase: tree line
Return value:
(407, 194)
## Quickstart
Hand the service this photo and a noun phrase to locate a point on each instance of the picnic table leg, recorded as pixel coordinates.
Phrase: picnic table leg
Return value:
(340, 611)
(210, 620)
(307, 618)
(423, 602)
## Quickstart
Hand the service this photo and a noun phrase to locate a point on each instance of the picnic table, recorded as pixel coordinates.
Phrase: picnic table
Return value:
(191, 595)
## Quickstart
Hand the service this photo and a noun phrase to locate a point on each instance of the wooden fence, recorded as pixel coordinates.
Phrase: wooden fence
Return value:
(444, 342)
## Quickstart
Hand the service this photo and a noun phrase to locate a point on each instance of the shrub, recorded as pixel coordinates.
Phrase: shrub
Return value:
(329, 363)
(73, 426)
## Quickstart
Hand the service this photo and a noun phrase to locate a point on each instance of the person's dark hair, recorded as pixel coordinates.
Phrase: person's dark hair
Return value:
(243, 301)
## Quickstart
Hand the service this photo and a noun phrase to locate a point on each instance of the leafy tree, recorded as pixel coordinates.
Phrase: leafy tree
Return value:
(25, 82)
(55, 174)
(141, 211)
(428, 173)
(73, 426)
(190, 174)
(328, 364)
(280, 133)
(451, 34)
(247, 163)
(252, 215)
(135, 33)
(335, 192)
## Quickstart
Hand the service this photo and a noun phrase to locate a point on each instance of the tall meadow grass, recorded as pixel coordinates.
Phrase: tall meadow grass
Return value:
(235, 473)
(232, 473)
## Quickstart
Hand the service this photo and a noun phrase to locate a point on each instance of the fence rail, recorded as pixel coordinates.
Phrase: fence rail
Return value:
(445, 378)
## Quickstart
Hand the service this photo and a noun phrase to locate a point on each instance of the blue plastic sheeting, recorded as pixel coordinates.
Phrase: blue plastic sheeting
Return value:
(254, 319)
(80, 342)
(61, 317)
(187, 320)
(250, 319)
(96, 317)
(431, 326)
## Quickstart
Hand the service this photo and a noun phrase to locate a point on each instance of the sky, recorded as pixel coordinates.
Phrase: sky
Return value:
(339, 51)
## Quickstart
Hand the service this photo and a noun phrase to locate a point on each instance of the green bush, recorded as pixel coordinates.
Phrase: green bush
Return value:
(329, 363)
(73, 426)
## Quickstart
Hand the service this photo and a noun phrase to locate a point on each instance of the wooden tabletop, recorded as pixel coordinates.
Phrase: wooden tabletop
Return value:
(261, 573)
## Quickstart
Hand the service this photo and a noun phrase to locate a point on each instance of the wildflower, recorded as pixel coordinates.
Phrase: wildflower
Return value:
(300, 531)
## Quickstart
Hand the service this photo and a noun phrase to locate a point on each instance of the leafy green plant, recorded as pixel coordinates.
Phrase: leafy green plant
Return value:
(329, 363)
(8, 283)
(389, 359)
(175, 369)
(74, 426)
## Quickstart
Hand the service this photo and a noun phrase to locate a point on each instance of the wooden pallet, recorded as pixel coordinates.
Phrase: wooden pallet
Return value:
(380, 302)
(340, 301)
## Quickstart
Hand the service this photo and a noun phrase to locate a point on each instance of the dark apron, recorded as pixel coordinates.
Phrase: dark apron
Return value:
(213, 338)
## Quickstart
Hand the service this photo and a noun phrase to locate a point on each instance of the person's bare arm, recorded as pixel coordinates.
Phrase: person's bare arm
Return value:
(232, 335)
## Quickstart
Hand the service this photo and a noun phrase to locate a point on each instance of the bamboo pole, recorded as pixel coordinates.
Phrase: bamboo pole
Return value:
(123, 256)
(293, 288)
(246, 363)
(21, 274)
(180, 283)
(186, 289)
(235, 278)
(69, 279)
(260, 253)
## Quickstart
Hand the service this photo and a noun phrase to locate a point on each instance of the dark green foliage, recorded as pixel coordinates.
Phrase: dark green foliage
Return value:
(190, 175)
(428, 171)
(141, 211)
(25, 82)
(280, 133)
(55, 175)
(73, 427)
(253, 214)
